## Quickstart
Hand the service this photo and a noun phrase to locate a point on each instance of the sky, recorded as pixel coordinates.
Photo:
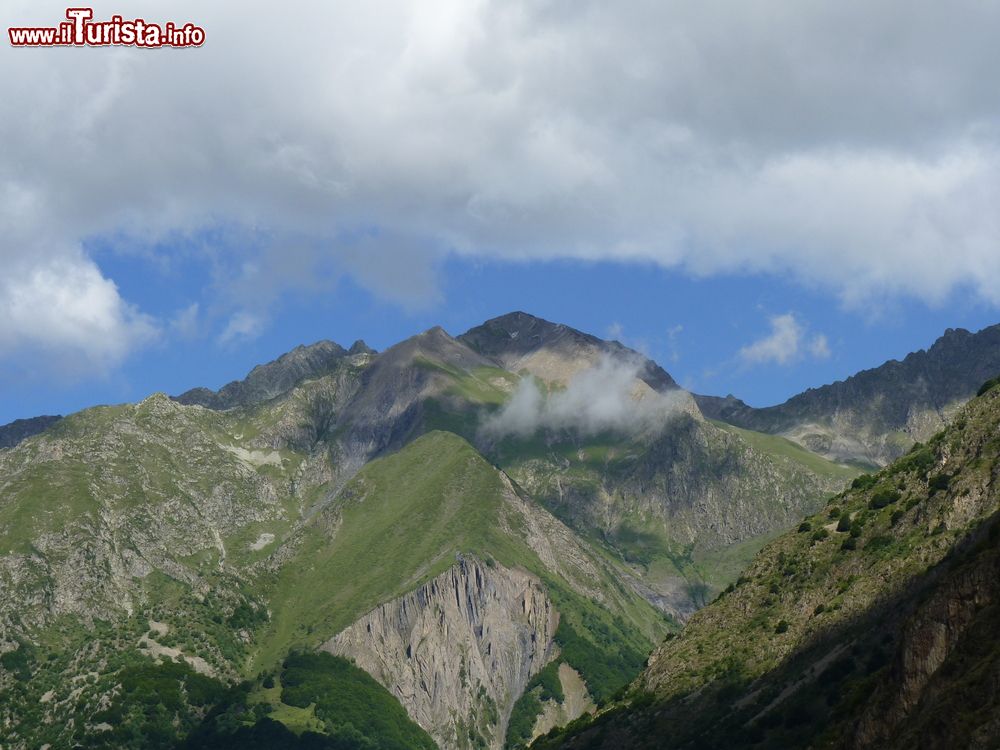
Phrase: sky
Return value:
(763, 197)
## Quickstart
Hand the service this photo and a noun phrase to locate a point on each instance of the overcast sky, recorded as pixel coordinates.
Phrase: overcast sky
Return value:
(831, 156)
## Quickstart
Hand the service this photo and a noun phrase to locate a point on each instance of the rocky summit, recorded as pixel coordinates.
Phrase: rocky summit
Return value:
(876, 415)
(521, 535)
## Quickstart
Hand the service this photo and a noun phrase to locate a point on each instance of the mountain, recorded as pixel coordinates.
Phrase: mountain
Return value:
(873, 625)
(495, 528)
(552, 351)
(683, 501)
(21, 429)
(274, 378)
(875, 416)
(154, 554)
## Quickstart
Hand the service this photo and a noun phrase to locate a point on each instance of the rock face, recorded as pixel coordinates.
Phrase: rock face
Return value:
(874, 416)
(274, 378)
(945, 679)
(458, 651)
(388, 408)
(21, 429)
(576, 702)
(553, 351)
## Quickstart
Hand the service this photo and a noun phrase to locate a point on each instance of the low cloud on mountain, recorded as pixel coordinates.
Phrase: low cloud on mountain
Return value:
(606, 397)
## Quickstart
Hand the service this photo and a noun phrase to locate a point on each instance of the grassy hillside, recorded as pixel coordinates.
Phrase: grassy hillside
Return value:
(314, 700)
(779, 447)
(840, 631)
(686, 508)
(401, 522)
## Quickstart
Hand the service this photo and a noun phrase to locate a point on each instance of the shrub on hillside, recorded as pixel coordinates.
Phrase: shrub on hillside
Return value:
(989, 385)
(883, 497)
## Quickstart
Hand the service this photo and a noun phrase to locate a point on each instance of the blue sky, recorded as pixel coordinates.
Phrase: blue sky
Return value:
(696, 328)
(763, 199)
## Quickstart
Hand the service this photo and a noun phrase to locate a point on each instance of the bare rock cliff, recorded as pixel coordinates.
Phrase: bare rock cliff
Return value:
(458, 651)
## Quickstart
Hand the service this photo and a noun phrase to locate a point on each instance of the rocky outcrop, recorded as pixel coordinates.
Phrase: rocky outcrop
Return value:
(553, 351)
(274, 378)
(946, 666)
(22, 429)
(126, 490)
(575, 703)
(458, 651)
(875, 415)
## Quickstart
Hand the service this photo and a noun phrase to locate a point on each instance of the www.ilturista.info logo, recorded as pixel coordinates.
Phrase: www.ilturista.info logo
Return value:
(82, 31)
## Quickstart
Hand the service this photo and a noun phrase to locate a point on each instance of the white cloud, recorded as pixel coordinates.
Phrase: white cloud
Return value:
(241, 326)
(785, 343)
(672, 335)
(65, 313)
(819, 347)
(607, 396)
(671, 133)
(781, 346)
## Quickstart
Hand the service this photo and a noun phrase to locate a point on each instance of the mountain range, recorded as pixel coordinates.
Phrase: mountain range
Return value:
(875, 416)
(485, 535)
(873, 624)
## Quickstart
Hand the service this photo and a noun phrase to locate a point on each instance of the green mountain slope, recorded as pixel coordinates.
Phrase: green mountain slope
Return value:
(405, 520)
(171, 534)
(873, 625)
(356, 503)
(676, 505)
(401, 522)
(314, 701)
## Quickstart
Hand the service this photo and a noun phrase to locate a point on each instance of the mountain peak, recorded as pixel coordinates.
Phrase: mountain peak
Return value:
(553, 351)
(435, 344)
(520, 332)
(271, 379)
(360, 347)
(880, 411)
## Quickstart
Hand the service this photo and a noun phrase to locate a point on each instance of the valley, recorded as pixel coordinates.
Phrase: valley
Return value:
(487, 535)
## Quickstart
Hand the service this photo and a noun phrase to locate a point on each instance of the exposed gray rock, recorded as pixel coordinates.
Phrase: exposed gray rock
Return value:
(459, 650)
(274, 378)
(387, 409)
(876, 415)
(518, 340)
(21, 429)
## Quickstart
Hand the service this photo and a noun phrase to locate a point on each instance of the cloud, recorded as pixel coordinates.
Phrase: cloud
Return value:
(378, 138)
(784, 344)
(64, 314)
(819, 347)
(241, 326)
(605, 397)
(781, 346)
(673, 333)
(185, 324)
